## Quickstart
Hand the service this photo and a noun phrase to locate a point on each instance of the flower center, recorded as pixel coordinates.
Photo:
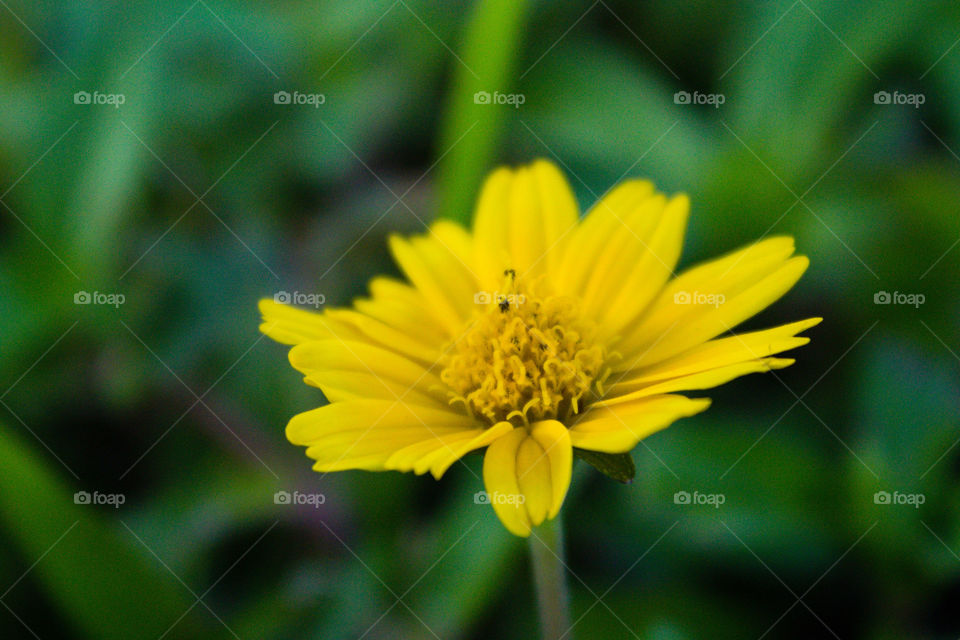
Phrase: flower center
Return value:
(525, 356)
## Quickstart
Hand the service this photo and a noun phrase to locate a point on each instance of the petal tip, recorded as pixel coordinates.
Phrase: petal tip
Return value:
(265, 304)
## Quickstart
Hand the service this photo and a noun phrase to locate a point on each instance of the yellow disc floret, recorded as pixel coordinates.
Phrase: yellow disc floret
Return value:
(525, 356)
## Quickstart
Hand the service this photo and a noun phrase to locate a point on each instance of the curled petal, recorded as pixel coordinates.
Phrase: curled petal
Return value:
(527, 474)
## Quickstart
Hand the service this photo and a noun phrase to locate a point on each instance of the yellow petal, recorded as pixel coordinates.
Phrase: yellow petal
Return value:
(527, 474)
(522, 220)
(365, 328)
(618, 428)
(349, 369)
(554, 438)
(702, 380)
(401, 307)
(500, 480)
(293, 326)
(437, 454)
(449, 249)
(622, 249)
(290, 325)
(722, 354)
(533, 479)
(363, 434)
(646, 269)
(683, 316)
(589, 242)
(442, 462)
(439, 276)
(441, 451)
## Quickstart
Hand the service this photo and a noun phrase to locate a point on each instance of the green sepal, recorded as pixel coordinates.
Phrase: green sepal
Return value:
(618, 466)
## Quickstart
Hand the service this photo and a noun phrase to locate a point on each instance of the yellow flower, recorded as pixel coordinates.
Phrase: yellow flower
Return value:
(532, 335)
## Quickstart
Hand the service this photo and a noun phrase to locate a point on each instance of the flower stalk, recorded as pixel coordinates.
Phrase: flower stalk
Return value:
(550, 578)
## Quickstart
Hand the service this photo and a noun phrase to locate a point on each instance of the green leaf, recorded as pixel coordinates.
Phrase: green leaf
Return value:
(618, 466)
(98, 575)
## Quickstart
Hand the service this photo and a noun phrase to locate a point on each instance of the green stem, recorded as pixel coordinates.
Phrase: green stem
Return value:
(471, 133)
(550, 578)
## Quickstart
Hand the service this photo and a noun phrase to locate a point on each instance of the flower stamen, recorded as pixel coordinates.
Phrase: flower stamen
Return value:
(525, 356)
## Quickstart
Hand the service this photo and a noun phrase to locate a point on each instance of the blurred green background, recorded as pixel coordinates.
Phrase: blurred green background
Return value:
(202, 192)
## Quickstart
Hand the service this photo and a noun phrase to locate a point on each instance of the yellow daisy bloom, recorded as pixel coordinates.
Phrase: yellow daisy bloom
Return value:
(533, 335)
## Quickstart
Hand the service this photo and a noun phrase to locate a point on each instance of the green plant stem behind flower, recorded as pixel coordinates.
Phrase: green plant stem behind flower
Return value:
(549, 576)
(471, 132)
